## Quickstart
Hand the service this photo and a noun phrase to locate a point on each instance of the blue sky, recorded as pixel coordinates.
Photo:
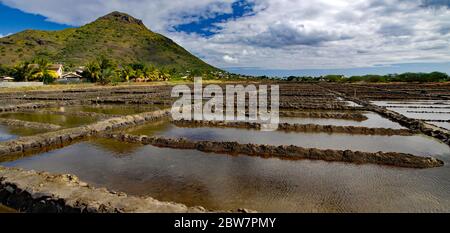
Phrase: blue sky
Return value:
(273, 37)
(14, 20)
(207, 26)
(390, 69)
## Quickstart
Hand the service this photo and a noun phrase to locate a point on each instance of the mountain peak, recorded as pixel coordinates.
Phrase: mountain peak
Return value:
(118, 36)
(123, 17)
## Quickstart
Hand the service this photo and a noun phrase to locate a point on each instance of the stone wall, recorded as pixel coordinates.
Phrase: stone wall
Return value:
(300, 128)
(50, 139)
(324, 115)
(287, 152)
(413, 124)
(20, 84)
(28, 124)
(17, 107)
(41, 192)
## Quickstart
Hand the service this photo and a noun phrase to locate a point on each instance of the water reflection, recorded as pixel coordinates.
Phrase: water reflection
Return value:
(63, 120)
(423, 110)
(374, 121)
(418, 144)
(112, 109)
(5, 134)
(229, 182)
(444, 125)
(10, 132)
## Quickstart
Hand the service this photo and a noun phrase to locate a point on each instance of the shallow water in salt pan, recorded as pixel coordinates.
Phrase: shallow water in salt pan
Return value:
(62, 120)
(222, 182)
(111, 109)
(9, 132)
(418, 144)
(374, 121)
(422, 110)
(444, 125)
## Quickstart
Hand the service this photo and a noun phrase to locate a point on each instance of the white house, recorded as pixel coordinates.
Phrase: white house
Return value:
(58, 68)
(80, 69)
(6, 79)
(70, 77)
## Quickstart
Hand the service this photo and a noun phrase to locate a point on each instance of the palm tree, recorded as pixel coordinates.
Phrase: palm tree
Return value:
(165, 77)
(23, 72)
(128, 73)
(106, 75)
(105, 63)
(147, 72)
(139, 74)
(92, 71)
(41, 68)
(154, 75)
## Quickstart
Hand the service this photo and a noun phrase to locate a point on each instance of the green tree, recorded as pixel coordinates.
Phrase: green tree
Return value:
(22, 72)
(6, 70)
(334, 78)
(107, 75)
(147, 72)
(128, 73)
(40, 68)
(92, 72)
(437, 77)
(47, 78)
(105, 63)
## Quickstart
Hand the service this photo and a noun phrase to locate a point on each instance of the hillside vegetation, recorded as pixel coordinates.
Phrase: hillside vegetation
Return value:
(117, 36)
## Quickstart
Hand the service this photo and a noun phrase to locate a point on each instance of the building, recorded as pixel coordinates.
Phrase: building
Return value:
(79, 70)
(70, 77)
(6, 79)
(57, 68)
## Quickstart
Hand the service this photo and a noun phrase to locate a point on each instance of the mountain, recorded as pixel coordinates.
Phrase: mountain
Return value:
(117, 36)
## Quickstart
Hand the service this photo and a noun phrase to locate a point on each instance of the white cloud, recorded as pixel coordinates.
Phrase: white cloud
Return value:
(1, 35)
(157, 14)
(285, 34)
(230, 59)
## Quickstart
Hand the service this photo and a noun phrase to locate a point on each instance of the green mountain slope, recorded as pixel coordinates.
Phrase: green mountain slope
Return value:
(117, 36)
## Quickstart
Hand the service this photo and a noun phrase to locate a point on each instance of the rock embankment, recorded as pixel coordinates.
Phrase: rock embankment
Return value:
(78, 114)
(299, 127)
(32, 143)
(11, 108)
(412, 124)
(323, 106)
(18, 107)
(28, 124)
(287, 152)
(417, 125)
(416, 107)
(324, 115)
(41, 192)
